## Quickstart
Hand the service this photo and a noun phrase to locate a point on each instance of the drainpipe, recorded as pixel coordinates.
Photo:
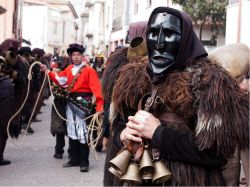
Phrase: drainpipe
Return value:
(239, 22)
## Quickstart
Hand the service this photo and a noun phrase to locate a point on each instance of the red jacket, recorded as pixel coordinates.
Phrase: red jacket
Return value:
(87, 82)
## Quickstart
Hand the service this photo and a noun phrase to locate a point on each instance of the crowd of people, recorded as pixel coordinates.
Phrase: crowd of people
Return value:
(162, 97)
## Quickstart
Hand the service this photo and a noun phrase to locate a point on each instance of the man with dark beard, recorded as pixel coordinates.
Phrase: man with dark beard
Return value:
(189, 113)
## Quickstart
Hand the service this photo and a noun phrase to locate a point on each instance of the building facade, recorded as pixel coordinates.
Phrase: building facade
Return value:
(94, 23)
(10, 19)
(51, 26)
(237, 26)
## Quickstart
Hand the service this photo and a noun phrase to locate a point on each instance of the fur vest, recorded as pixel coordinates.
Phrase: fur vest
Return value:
(210, 104)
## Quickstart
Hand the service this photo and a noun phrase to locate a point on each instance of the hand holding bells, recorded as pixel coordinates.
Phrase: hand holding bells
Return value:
(150, 168)
(144, 164)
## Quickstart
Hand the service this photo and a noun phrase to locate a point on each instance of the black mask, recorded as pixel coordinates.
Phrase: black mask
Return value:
(163, 40)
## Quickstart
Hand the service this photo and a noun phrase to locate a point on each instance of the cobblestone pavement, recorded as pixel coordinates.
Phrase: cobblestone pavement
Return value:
(33, 163)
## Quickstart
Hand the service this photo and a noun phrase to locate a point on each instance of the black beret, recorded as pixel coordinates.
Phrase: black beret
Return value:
(75, 48)
(38, 51)
(24, 50)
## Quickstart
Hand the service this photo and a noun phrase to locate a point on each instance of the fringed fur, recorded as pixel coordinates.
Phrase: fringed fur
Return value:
(202, 92)
(109, 178)
(132, 84)
(223, 118)
(116, 61)
(112, 113)
(177, 94)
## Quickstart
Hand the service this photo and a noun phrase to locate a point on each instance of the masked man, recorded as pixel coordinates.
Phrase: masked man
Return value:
(81, 82)
(188, 111)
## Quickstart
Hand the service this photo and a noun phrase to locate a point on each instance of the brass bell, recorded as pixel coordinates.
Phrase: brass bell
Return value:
(161, 173)
(146, 165)
(120, 163)
(132, 175)
(115, 172)
(14, 74)
(147, 174)
(10, 58)
(137, 47)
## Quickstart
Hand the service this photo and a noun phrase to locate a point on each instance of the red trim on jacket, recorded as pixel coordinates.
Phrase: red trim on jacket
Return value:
(87, 82)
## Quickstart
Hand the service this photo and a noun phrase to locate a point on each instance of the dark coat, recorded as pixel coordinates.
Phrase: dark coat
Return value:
(58, 125)
(7, 107)
(195, 148)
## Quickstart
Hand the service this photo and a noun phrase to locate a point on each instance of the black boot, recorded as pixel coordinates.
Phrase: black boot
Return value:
(29, 130)
(75, 154)
(4, 162)
(58, 156)
(70, 150)
(60, 143)
(3, 140)
(71, 163)
(84, 156)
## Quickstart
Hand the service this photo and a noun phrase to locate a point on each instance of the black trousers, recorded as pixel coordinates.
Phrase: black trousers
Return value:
(60, 143)
(3, 140)
(79, 152)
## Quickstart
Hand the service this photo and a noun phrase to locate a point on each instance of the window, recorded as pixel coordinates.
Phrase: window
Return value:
(121, 42)
(116, 44)
(54, 27)
(135, 6)
(149, 3)
(232, 2)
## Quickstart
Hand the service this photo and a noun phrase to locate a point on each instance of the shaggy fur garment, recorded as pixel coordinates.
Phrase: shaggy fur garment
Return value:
(205, 97)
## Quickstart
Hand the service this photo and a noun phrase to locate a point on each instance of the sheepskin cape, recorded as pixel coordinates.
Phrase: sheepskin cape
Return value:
(205, 97)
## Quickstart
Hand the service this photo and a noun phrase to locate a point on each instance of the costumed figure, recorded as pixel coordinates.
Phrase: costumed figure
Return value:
(136, 51)
(81, 82)
(38, 55)
(58, 126)
(178, 118)
(98, 64)
(235, 59)
(8, 59)
(35, 86)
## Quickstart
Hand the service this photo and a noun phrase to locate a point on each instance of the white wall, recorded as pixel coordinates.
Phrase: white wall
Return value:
(34, 25)
(238, 27)
(6, 20)
(232, 22)
(38, 28)
(245, 26)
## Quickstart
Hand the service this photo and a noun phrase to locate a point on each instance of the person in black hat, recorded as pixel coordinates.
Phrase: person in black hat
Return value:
(25, 52)
(189, 113)
(81, 82)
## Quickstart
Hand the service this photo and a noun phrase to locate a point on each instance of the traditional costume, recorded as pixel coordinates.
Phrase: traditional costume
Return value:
(7, 97)
(202, 111)
(81, 82)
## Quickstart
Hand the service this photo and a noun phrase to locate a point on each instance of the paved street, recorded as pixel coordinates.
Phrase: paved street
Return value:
(33, 163)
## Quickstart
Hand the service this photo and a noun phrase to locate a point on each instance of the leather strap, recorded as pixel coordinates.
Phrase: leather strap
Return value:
(150, 100)
(71, 85)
